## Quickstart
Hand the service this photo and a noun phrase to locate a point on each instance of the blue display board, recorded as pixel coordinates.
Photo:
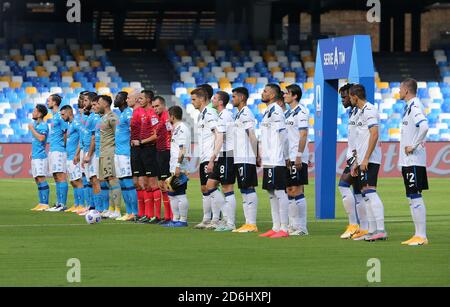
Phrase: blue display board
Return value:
(348, 57)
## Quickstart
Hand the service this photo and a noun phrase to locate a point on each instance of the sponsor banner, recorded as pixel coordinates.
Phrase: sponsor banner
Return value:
(15, 160)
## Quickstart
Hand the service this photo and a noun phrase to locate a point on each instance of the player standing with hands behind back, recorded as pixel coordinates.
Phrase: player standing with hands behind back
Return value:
(413, 159)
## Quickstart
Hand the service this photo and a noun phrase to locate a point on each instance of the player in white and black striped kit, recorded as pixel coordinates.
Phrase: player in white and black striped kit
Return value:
(274, 155)
(297, 122)
(368, 160)
(245, 151)
(412, 158)
(223, 171)
(354, 203)
(207, 135)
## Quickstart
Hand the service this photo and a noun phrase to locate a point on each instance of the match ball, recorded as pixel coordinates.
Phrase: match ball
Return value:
(93, 217)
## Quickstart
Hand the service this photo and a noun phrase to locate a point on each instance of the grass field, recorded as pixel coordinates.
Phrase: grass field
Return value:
(35, 246)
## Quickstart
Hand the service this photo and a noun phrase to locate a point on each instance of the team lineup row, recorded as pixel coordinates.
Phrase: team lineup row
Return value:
(145, 151)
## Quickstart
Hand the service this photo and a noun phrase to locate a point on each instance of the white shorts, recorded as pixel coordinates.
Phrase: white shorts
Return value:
(123, 166)
(91, 169)
(81, 158)
(57, 161)
(74, 171)
(39, 167)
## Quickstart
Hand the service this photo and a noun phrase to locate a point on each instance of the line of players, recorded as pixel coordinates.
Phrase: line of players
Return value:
(229, 150)
(106, 157)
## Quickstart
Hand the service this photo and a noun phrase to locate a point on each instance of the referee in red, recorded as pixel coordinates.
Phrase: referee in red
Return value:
(164, 134)
(144, 166)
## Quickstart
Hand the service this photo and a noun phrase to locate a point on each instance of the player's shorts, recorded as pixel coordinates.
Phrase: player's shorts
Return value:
(134, 158)
(163, 161)
(57, 162)
(204, 176)
(39, 167)
(415, 179)
(106, 167)
(296, 177)
(370, 177)
(275, 178)
(181, 190)
(145, 163)
(348, 178)
(224, 171)
(74, 171)
(122, 165)
(91, 169)
(246, 174)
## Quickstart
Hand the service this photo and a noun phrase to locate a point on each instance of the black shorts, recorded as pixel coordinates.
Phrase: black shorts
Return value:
(275, 178)
(297, 177)
(134, 157)
(181, 190)
(145, 163)
(204, 176)
(353, 181)
(370, 177)
(247, 177)
(415, 179)
(163, 161)
(224, 171)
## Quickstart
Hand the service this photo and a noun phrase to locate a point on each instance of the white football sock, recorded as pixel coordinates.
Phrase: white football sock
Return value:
(416, 231)
(349, 204)
(217, 203)
(293, 212)
(183, 204)
(175, 208)
(275, 211)
(206, 207)
(370, 216)
(252, 203)
(361, 209)
(283, 203)
(230, 205)
(377, 209)
(420, 214)
(245, 207)
(301, 221)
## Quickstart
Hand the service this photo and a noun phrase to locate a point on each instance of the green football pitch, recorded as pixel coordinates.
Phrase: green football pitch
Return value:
(35, 247)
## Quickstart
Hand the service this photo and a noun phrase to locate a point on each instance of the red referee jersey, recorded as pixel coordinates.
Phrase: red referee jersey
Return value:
(164, 132)
(145, 121)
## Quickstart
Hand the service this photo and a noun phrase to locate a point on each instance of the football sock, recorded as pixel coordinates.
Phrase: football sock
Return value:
(157, 202)
(420, 215)
(275, 211)
(64, 186)
(149, 203)
(114, 194)
(206, 207)
(301, 221)
(377, 208)
(125, 195)
(252, 205)
(230, 205)
(183, 205)
(175, 207)
(167, 210)
(348, 200)
(361, 210)
(217, 203)
(283, 204)
(141, 202)
(105, 196)
(44, 192)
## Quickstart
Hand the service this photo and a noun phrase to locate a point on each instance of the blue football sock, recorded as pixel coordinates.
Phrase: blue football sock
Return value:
(132, 195)
(44, 192)
(125, 195)
(58, 192)
(90, 201)
(64, 190)
(98, 201)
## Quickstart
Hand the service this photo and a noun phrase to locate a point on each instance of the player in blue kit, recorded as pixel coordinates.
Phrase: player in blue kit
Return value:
(39, 160)
(57, 154)
(122, 157)
(88, 127)
(82, 118)
(74, 132)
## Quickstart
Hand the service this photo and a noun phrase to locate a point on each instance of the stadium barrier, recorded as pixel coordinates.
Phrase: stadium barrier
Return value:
(15, 160)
